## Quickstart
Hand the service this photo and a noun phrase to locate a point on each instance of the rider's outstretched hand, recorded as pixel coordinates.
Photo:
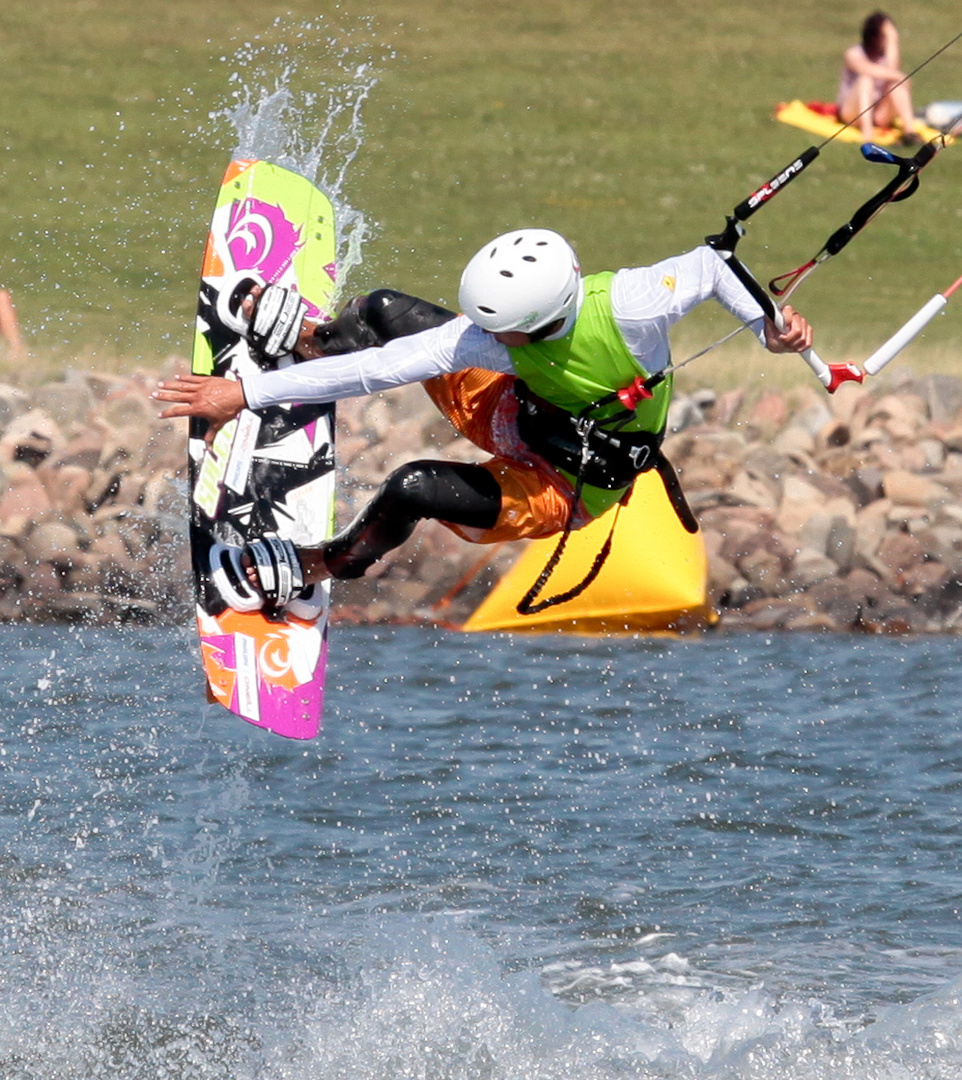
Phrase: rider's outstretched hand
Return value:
(211, 398)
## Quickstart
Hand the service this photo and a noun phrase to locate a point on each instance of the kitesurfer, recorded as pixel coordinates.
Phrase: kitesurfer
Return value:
(538, 350)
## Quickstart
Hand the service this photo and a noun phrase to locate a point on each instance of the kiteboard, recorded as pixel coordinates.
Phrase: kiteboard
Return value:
(266, 472)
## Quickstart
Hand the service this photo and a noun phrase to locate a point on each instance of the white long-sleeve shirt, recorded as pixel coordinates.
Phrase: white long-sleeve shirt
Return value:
(646, 302)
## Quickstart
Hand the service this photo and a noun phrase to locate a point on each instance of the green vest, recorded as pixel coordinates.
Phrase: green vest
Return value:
(588, 363)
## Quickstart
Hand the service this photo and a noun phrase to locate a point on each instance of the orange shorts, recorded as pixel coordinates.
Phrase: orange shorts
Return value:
(535, 497)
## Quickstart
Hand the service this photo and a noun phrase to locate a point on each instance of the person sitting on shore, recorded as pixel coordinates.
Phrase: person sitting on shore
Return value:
(873, 87)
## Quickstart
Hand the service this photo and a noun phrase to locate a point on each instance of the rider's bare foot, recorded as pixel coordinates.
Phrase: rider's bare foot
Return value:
(312, 561)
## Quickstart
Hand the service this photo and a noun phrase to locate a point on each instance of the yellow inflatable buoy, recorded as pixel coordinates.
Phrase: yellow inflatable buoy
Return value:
(653, 580)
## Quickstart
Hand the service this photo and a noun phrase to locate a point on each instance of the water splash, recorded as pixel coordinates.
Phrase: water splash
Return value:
(190, 899)
(298, 97)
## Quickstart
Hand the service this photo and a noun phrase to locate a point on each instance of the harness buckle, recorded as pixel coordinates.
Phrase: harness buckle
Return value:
(639, 456)
(584, 426)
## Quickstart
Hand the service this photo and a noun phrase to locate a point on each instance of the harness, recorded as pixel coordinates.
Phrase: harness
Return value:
(596, 452)
(614, 457)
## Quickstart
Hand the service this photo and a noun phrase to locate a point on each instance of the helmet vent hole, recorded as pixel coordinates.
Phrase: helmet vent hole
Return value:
(506, 273)
(528, 258)
(486, 310)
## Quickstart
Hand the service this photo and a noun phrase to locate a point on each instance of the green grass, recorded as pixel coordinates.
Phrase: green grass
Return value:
(631, 128)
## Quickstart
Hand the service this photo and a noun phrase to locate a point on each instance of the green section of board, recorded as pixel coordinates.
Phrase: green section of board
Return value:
(313, 262)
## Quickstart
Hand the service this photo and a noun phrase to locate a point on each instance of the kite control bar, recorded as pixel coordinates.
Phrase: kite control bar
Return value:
(899, 187)
(897, 342)
(831, 376)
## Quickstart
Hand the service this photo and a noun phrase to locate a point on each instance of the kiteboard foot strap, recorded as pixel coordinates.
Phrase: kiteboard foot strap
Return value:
(280, 576)
(278, 314)
(277, 320)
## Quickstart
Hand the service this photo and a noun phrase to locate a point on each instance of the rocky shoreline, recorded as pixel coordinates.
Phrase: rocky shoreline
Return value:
(830, 513)
(838, 513)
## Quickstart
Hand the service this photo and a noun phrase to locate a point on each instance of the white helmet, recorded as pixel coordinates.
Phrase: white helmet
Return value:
(524, 280)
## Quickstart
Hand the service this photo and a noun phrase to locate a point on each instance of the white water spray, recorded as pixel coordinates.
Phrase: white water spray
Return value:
(298, 101)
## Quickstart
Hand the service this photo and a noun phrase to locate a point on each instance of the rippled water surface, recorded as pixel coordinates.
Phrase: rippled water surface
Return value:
(521, 858)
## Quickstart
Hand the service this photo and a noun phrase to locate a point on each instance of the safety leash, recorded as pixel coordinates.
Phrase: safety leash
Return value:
(529, 603)
(628, 398)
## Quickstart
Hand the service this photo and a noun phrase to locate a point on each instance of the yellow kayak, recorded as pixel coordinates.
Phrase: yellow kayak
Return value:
(653, 580)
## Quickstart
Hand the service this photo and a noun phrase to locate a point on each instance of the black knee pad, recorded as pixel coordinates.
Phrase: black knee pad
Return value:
(372, 320)
(348, 332)
(409, 490)
(446, 490)
(392, 314)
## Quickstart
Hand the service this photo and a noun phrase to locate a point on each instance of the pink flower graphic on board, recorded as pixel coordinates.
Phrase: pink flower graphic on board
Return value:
(259, 237)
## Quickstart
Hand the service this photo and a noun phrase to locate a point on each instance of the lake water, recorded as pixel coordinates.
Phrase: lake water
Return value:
(504, 859)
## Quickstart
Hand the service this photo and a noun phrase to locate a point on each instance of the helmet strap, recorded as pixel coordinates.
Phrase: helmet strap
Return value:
(545, 331)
